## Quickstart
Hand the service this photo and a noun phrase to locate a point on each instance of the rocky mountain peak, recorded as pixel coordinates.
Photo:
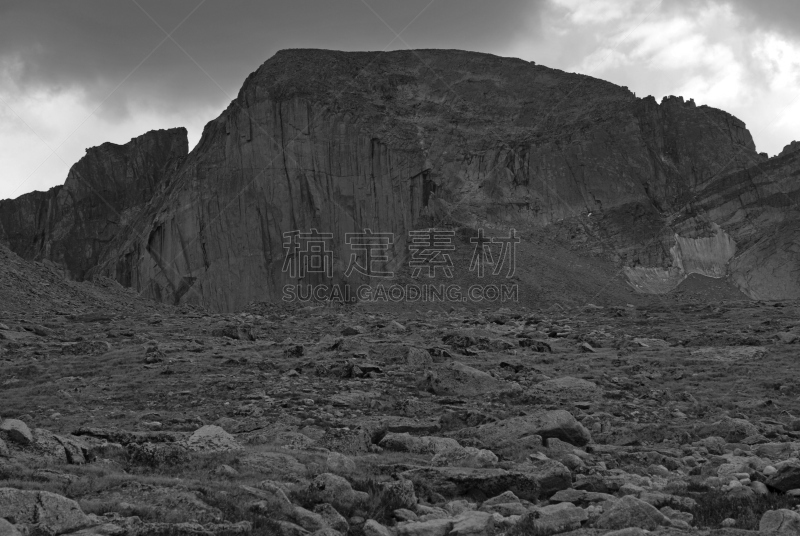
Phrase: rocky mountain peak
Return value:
(394, 141)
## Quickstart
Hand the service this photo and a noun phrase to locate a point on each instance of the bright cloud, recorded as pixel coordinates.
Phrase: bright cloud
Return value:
(45, 133)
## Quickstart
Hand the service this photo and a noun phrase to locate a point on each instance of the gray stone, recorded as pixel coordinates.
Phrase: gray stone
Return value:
(729, 429)
(403, 492)
(405, 442)
(287, 528)
(333, 489)
(307, 519)
(273, 500)
(473, 523)
(432, 527)
(340, 463)
(467, 481)
(16, 431)
(559, 424)
(787, 477)
(759, 488)
(505, 497)
(781, 522)
(332, 517)
(7, 529)
(58, 513)
(457, 379)
(373, 528)
(632, 512)
(418, 358)
(465, 457)
(326, 531)
(212, 438)
(351, 441)
(556, 518)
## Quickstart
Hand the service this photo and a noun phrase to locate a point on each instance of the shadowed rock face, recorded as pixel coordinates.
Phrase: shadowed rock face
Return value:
(759, 208)
(346, 141)
(390, 142)
(72, 224)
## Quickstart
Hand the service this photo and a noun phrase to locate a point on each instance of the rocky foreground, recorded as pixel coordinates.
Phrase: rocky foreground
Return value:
(121, 416)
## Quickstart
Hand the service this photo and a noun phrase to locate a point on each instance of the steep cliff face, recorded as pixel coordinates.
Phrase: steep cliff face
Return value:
(342, 142)
(72, 224)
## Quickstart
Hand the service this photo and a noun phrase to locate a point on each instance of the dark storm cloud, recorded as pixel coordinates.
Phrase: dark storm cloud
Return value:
(93, 45)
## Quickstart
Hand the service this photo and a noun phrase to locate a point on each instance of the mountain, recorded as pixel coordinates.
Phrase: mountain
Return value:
(73, 224)
(397, 141)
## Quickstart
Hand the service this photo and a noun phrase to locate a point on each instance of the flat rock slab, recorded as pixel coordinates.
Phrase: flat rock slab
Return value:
(23, 507)
(559, 424)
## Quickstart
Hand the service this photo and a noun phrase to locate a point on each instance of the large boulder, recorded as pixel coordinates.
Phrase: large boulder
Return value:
(336, 490)
(212, 438)
(271, 499)
(59, 514)
(781, 522)
(418, 358)
(472, 523)
(332, 517)
(402, 491)
(406, 442)
(551, 475)
(373, 528)
(351, 441)
(787, 477)
(16, 431)
(465, 457)
(632, 512)
(457, 379)
(730, 429)
(311, 521)
(559, 424)
(7, 529)
(555, 518)
(69, 449)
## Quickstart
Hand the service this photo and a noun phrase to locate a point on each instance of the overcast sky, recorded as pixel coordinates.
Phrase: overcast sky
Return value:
(77, 73)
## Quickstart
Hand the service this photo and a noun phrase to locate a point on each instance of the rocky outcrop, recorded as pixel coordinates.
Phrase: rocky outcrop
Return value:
(791, 148)
(72, 224)
(750, 217)
(346, 141)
